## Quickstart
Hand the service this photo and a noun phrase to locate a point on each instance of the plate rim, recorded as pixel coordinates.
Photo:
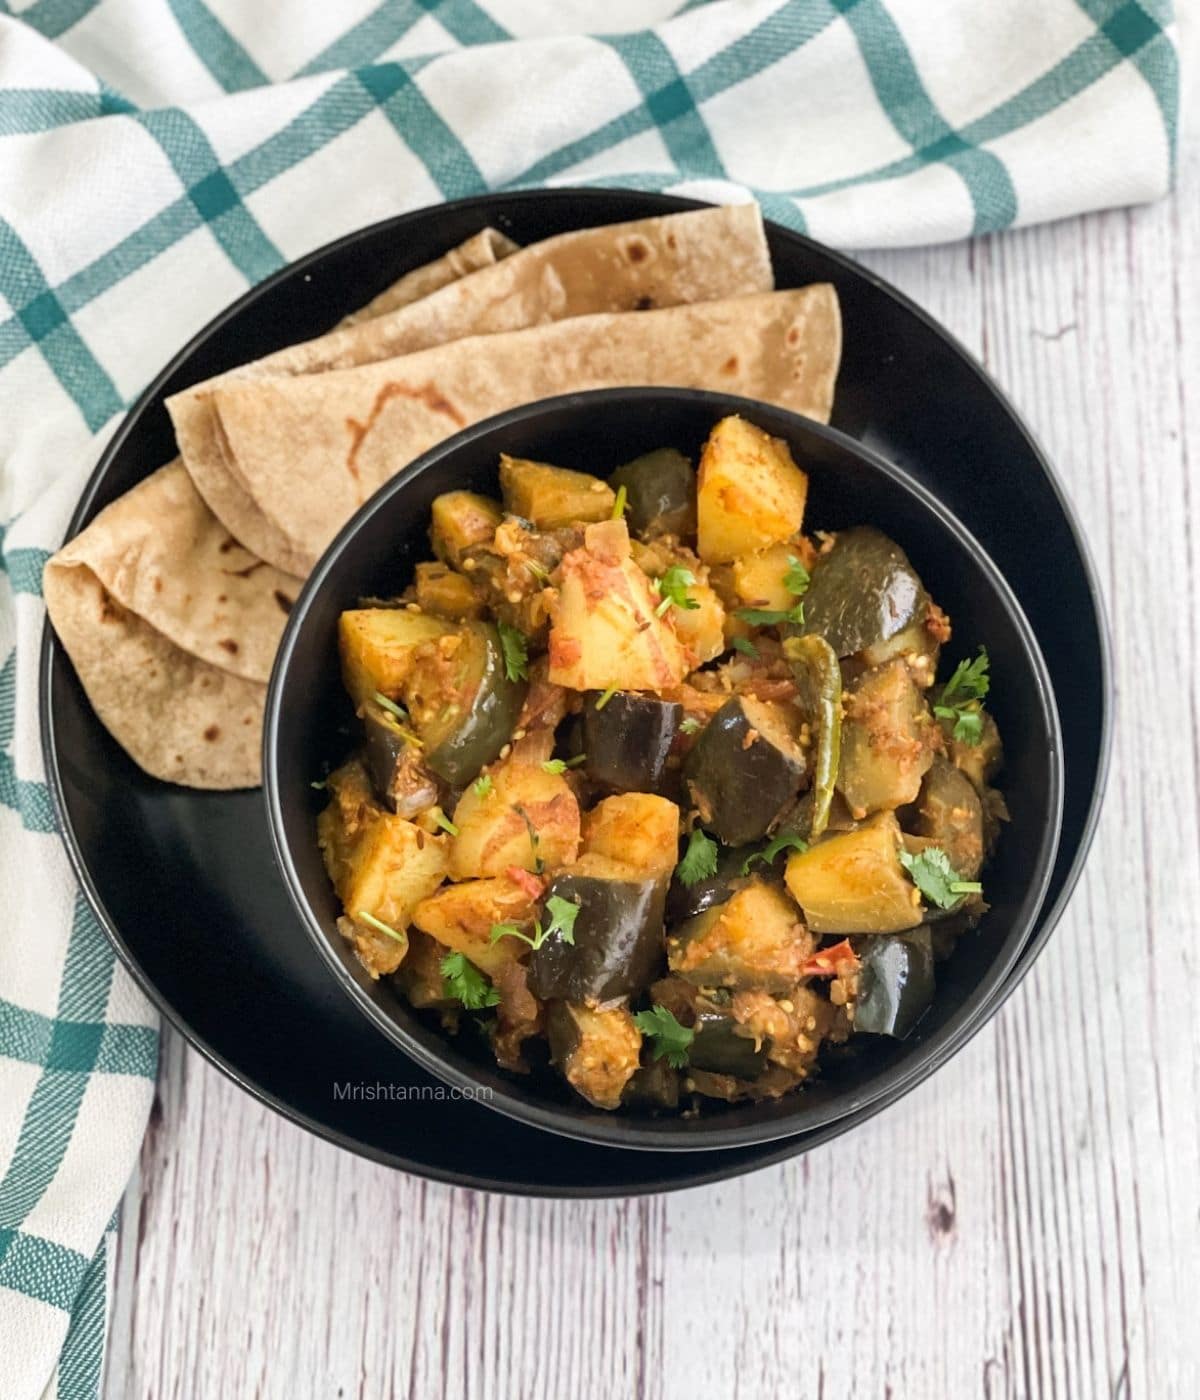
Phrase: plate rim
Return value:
(655, 203)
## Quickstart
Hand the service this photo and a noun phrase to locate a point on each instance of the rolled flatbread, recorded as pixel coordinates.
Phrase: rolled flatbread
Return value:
(310, 449)
(670, 260)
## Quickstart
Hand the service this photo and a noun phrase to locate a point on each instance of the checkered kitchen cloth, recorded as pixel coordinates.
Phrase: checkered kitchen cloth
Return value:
(159, 156)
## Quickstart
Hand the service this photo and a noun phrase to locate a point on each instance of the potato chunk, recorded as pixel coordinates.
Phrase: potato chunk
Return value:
(527, 818)
(758, 579)
(854, 882)
(604, 630)
(377, 647)
(553, 496)
(379, 864)
(461, 916)
(636, 828)
(751, 494)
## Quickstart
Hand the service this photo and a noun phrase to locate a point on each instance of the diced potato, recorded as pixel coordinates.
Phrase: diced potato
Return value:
(460, 918)
(604, 630)
(461, 519)
(701, 628)
(637, 828)
(888, 741)
(443, 593)
(854, 882)
(758, 579)
(552, 496)
(754, 939)
(498, 830)
(597, 1051)
(751, 494)
(379, 864)
(377, 646)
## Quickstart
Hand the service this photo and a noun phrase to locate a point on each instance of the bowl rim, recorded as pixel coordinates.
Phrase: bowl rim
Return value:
(657, 1134)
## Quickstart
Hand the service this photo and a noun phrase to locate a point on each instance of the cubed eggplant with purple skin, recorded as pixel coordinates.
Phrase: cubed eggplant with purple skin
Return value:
(744, 770)
(617, 946)
(628, 739)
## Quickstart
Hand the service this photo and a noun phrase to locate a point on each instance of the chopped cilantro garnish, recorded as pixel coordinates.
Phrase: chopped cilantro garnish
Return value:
(936, 878)
(671, 1040)
(516, 652)
(699, 860)
(464, 982)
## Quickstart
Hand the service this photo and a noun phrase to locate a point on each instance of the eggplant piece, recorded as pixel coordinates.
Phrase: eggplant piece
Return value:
(660, 493)
(462, 703)
(888, 740)
(754, 940)
(819, 684)
(400, 779)
(655, 1085)
(949, 814)
(895, 983)
(618, 945)
(980, 762)
(854, 883)
(597, 1051)
(720, 1048)
(863, 592)
(460, 520)
(628, 739)
(744, 770)
(550, 496)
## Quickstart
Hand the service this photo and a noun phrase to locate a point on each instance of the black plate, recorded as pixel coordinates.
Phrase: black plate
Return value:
(374, 556)
(183, 881)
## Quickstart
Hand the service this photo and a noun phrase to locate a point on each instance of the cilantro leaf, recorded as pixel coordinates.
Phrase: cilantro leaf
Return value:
(970, 680)
(961, 696)
(562, 912)
(483, 785)
(560, 765)
(534, 840)
(464, 982)
(745, 646)
(674, 586)
(699, 860)
(797, 578)
(785, 841)
(671, 1040)
(516, 652)
(771, 617)
(689, 725)
(936, 878)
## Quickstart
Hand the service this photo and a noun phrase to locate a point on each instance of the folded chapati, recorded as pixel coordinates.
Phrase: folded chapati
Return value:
(482, 250)
(177, 717)
(312, 448)
(171, 625)
(703, 255)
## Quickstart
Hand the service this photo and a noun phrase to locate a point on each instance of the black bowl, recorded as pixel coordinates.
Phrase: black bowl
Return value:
(308, 729)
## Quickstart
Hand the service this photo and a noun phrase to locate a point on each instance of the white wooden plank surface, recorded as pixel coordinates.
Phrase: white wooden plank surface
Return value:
(1026, 1224)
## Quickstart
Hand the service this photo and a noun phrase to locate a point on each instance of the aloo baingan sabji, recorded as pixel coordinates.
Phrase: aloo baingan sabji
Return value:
(653, 777)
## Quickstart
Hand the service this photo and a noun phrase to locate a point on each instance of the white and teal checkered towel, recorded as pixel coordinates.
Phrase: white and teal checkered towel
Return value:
(158, 156)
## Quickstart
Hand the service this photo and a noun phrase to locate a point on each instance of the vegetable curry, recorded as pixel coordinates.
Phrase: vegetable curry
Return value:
(656, 783)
